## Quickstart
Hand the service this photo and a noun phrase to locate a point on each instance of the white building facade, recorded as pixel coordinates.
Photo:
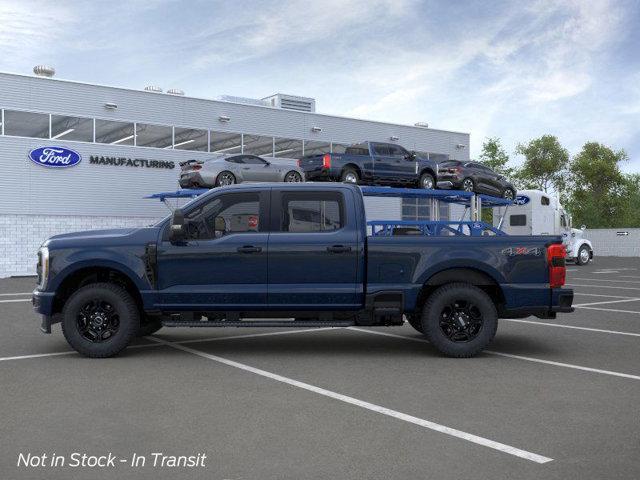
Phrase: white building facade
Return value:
(130, 143)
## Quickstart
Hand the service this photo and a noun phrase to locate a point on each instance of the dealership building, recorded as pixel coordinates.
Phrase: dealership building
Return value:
(129, 144)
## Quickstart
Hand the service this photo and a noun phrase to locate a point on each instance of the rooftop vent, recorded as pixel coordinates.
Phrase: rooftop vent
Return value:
(175, 91)
(44, 71)
(422, 124)
(292, 102)
(153, 88)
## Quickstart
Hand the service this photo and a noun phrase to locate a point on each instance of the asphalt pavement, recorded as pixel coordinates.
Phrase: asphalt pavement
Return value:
(550, 399)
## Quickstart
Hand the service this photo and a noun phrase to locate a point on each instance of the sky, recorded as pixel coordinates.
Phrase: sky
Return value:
(514, 70)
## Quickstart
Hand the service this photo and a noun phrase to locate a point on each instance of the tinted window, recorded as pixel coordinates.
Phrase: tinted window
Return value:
(517, 220)
(311, 212)
(72, 128)
(224, 215)
(235, 159)
(115, 133)
(253, 160)
(544, 200)
(449, 163)
(396, 151)
(381, 149)
(357, 151)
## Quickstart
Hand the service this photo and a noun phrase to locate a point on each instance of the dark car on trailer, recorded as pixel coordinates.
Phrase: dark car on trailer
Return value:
(474, 177)
(372, 163)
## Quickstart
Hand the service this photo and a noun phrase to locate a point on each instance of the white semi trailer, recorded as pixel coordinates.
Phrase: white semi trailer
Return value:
(537, 213)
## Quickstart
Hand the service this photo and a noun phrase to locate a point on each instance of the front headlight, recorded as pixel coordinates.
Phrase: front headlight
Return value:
(43, 267)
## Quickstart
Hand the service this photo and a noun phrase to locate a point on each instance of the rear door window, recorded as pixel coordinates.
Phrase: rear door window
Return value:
(311, 212)
(381, 150)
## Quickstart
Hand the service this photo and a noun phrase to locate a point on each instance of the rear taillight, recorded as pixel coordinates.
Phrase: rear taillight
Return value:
(299, 162)
(326, 161)
(556, 254)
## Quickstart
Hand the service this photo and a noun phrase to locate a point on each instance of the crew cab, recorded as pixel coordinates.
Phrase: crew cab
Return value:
(372, 163)
(252, 255)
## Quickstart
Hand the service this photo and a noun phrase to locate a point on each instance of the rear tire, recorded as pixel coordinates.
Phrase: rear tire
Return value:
(292, 177)
(349, 175)
(468, 185)
(225, 178)
(459, 320)
(100, 320)
(427, 182)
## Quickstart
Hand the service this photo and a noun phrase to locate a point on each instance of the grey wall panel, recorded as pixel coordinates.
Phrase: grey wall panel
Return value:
(73, 98)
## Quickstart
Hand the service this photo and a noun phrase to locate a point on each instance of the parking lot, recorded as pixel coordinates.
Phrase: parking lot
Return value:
(551, 399)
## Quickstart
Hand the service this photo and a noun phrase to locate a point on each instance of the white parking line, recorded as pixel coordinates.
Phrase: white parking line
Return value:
(599, 295)
(603, 286)
(485, 442)
(605, 280)
(509, 355)
(573, 327)
(632, 299)
(196, 340)
(14, 294)
(611, 310)
(14, 300)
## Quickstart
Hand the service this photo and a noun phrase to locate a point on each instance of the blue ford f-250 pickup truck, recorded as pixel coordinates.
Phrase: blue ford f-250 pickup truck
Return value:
(250, 255)
(372, 163)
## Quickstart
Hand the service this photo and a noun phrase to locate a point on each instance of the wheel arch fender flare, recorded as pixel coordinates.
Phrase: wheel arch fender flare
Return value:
(137, 279)
(353, 166)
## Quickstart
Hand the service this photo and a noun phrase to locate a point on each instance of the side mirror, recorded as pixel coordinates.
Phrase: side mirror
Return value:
(176, 229)
(583, 227)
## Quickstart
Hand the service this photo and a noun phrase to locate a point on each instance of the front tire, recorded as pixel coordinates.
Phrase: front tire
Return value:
(293, 177)
(584, 255)
(459, 320)
(427, 182)
(100, 320)
(508, 194)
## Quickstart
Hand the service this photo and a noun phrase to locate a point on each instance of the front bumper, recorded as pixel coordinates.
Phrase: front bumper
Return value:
(43, 304)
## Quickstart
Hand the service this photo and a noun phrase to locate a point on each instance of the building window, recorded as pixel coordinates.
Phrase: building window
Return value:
(258, 145)
(287, 148)
(316, 148)
(26, 124)
(419, 209)
(114, 133)
(225, 142)
(72, 128)
(157, 136)
(190, 139)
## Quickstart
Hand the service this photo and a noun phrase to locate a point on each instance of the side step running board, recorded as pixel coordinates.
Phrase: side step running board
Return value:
(258, 323)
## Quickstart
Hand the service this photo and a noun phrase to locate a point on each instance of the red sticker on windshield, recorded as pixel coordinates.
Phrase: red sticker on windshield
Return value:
(253, 221)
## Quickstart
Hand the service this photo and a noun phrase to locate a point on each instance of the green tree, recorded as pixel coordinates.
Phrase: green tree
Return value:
(631, 198)
(495, 157)
(545, 164)
(599, 193)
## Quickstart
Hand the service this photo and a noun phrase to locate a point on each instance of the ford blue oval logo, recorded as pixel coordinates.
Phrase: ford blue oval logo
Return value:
(56, 157)
(521, 200)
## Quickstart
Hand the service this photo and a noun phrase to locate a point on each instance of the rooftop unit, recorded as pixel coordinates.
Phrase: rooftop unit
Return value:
(291, 102)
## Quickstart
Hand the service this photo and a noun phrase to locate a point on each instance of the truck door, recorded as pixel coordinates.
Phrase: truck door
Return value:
(383, 163)
(223, 262)
(313, 251)
(403, 166)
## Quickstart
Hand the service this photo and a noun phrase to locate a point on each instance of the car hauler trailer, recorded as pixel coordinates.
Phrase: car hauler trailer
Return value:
(535, 212)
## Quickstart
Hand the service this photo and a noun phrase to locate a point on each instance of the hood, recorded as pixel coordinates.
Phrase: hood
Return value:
(113, 236)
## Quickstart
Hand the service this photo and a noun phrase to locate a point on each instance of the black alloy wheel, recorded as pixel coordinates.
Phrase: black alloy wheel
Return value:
(97, 321)
(461, 321)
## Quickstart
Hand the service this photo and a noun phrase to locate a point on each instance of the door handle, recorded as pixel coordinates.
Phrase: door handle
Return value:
(249, 249)
(338, 249)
